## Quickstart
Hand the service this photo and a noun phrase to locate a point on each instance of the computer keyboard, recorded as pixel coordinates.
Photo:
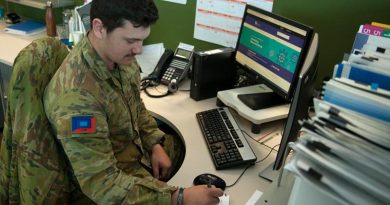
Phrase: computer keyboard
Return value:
(227, 145)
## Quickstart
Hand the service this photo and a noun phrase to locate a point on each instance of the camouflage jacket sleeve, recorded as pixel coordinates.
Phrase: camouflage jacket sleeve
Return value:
(92, 159)
(149, 132)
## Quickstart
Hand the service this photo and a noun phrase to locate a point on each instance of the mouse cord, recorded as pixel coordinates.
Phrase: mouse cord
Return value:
(239, 176)
(246, 168)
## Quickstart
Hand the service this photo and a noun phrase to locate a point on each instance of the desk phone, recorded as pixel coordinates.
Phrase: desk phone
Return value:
(180, 64)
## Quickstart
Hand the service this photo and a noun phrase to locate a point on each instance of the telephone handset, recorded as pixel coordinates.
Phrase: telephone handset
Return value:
(179, 65)
(13, 18)
(162, 65)
(170, 70)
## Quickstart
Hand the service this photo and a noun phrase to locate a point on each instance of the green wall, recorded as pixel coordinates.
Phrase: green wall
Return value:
(336, 21)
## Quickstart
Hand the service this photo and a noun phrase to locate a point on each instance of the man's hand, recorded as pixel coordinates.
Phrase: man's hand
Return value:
(199, 195)
(161, 164)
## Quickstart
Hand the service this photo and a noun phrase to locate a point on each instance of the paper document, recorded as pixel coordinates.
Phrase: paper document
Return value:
(254, 198)
(149, 57)
(224, 200)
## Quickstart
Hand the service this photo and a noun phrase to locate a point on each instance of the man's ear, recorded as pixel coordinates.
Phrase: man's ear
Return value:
(98, 28)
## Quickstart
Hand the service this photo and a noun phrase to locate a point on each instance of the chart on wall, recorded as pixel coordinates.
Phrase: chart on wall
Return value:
(219, 21)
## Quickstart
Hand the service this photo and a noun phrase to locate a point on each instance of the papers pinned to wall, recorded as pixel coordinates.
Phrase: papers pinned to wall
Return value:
(219, 22)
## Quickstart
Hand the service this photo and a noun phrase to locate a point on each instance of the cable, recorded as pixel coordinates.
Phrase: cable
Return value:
(257, 141)
(246, 168)
(269, 153)
(151, 81)
(156, 96)
(239, 177)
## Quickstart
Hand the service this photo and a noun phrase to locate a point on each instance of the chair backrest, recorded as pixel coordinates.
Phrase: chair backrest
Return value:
(32, 161)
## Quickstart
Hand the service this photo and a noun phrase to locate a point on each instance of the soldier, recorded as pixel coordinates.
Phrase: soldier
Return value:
(115, 150)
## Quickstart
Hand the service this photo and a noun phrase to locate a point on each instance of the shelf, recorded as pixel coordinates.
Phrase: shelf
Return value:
(41, 4)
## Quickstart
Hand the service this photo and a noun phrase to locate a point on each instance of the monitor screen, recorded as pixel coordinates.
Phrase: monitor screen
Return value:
(273, 48)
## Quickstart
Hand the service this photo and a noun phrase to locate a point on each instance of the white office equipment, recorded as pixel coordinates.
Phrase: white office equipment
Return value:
(256, 117)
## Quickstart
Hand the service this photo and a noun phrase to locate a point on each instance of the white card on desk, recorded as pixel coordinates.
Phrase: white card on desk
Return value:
(254, 198)
(224, 200)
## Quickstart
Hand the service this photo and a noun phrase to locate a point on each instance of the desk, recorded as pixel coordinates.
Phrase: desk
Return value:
(11, 45)
(178, 110)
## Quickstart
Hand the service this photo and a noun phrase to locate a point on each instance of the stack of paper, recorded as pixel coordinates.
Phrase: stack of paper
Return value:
(344, 151)
(149, 57)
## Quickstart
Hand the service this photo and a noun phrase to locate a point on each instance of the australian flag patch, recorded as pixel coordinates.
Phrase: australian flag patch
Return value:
(83, 124)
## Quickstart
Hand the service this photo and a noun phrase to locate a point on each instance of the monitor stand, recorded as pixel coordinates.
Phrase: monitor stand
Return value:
(269, 173)
(256, 117)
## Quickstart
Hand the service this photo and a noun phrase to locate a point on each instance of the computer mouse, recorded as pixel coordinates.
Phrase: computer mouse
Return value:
(210, 179)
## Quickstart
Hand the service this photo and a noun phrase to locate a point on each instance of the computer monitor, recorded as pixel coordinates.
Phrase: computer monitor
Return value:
(272, 48)
(303, 97)
(283, 55)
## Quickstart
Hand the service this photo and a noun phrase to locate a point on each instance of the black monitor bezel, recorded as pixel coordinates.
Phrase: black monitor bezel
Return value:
(278, 90)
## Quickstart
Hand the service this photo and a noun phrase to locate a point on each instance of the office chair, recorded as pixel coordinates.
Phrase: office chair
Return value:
(31, 163)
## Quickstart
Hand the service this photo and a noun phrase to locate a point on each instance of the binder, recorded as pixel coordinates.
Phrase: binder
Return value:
(374, 30)
(361, 58)
(358, 100)
(362, 38)
(344, 147)
(28, 27)
(364, 74)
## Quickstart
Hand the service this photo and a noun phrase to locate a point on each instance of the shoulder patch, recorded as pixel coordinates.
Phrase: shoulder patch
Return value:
(83, 124)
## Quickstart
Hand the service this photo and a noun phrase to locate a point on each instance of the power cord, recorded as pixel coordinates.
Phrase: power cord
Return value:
(258, 141)
(246, 168)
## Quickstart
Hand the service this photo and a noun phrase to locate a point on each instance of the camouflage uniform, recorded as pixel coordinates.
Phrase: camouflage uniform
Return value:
(32, 170)
(109, 159)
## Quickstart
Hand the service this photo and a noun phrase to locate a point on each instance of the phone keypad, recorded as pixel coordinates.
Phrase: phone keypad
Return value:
(174, 71)
(170, 74)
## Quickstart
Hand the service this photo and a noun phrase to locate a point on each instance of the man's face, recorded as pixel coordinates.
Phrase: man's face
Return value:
(123, 43)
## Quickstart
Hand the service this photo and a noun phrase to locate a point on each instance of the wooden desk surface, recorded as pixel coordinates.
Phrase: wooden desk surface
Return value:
(11, 44)
(178, 110)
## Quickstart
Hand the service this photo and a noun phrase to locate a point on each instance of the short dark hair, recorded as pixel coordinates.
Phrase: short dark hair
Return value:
(113, 13)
